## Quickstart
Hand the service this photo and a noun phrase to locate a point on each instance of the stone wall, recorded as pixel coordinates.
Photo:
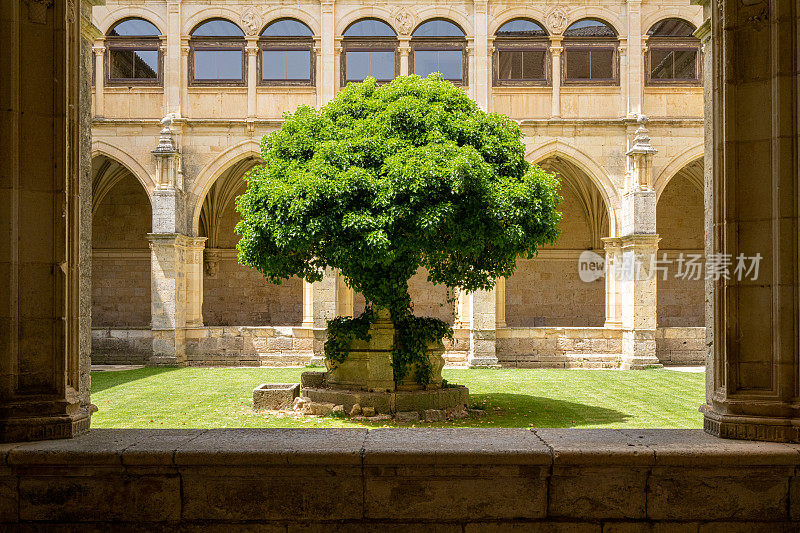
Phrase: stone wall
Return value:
(447, 480)
(121, 257)
(249, 346)
(116, 346)
(681, 346)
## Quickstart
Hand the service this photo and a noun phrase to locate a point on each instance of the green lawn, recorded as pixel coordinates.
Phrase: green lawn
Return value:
(222, 398)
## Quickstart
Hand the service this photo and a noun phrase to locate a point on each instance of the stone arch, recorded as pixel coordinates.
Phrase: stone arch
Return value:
(600, 13)
(532, 13)
(595, 173)
(670, 12)
(211, 13)
(449, 14)
(112, 152)
(212, 171)
(371, 12)
(115, 15)
(675, 165)
(278, 13)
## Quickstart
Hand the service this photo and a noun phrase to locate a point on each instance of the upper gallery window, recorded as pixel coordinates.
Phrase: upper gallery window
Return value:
(133, 53)
(590, 54)
(440, 46)
(287, 54)
(673, 53)
(521, 54)
(216, 55)
(369, 50)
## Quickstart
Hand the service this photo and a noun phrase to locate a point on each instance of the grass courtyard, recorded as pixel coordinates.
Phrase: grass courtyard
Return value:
(222, 398)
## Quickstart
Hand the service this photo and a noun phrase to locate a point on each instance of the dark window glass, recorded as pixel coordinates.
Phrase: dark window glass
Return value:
(218, 28)
(133, 64)
(673, 64)
(286, 65)
(672, 28)
(602, 62)
(438, 28)
(134, 28)
(577, 64)
(521, 28)
(287, 28)
(363, 64)
(585, 64)
(447, 62)
(218, 64)
(590, 28)
(522, 64)
(369, 28)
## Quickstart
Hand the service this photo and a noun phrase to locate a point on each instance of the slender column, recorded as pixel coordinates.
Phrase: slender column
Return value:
(194, 280)
(252, 52)
(184, 77)
(172, 60)
(99, 77)
(500, 306)
(308, 304)
(482, 334)
(404, 49)
(635, 59)
(754, 370)
(613, 247)
(623, 76)
(324, 307)
(481, 62)
(555, 54)
(635, 274)
(327, 29)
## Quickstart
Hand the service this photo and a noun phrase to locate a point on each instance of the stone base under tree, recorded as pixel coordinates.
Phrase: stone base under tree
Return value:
(449, 399)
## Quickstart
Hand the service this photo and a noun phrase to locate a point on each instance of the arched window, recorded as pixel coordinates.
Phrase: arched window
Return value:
(440, 46)
(369, 50)
(287, 54)
(673, 53)
(133, 53)
(216, 55)
(590, 54)
(521, 54)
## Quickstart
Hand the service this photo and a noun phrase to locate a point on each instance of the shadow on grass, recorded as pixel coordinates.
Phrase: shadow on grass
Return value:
(508, 410)
(106, 379)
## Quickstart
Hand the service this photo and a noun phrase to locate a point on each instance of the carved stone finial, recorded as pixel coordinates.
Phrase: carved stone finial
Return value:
(557, 20)
(641, 143)
(166, 140)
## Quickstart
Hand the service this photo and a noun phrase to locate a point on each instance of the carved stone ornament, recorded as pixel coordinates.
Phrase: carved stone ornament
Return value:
(404, 21)
(251, 21)
(211, 263)
(557, 20)
(37, 10)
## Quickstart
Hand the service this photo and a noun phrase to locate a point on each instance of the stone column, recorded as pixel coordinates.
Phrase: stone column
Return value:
(481, 62)
(172, 60)
(635, 274)
(193, 264)
(99, 76)
(327, 32)
(635, 59)
(555, 54)
(324, 308)
(404, 49)
(252, 82)
(623, 75)
(754, 370)
(45, 215)
(482, 331)
(184, 77)
(613, 247)
(308, 304)
(500, 305)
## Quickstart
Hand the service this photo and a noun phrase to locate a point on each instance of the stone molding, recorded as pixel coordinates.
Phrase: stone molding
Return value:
(564, 479)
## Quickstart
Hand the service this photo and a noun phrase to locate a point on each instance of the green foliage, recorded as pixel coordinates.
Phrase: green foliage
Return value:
(386, 179)
(411, 346)
(342, 330)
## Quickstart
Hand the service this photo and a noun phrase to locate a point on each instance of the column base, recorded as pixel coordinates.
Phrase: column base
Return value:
(483, 362)
(169, 348)
(639, 350)
(30, 428)
(773, 429)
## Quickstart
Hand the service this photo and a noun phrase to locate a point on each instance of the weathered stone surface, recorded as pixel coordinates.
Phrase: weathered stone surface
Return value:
(368, 411)
(275, 396)
(434, 415)
(313, 380)
(406, 417)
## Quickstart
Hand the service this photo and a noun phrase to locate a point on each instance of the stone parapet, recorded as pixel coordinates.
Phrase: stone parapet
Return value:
(549, 479)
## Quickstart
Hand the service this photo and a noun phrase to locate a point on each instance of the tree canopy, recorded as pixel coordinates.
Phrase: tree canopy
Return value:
(386, 179)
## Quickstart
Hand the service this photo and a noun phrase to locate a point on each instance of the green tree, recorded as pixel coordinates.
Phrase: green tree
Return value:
(384, 180)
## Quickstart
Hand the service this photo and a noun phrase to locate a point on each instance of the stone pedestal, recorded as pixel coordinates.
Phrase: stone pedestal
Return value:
(368, 367)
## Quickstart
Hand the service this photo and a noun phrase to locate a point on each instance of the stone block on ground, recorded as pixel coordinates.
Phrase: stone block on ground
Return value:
(275, 396)
(407, 417)
(312, 379)
(434, 415)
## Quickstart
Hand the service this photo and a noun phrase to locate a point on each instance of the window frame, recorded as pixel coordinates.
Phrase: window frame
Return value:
(288, 44)
(522, 44)
(368, 44)
(439, 44)
(673, 44)
(590, 44)
(124, 43)
(217, 44)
